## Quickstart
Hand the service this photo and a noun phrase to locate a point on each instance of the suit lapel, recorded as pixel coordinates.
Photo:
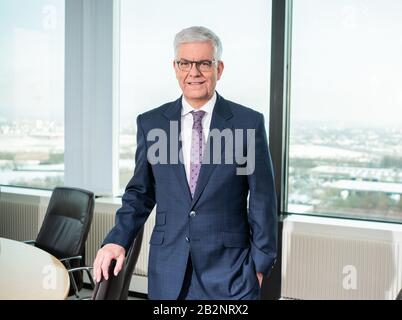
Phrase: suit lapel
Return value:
(173, 113)
(220, 117)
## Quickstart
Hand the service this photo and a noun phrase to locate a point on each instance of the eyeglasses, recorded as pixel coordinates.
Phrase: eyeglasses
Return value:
(202, 65)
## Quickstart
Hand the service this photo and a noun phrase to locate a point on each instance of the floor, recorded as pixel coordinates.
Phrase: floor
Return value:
(85, 294)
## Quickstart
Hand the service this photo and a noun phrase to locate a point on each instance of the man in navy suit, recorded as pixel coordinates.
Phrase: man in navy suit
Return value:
(215, 235)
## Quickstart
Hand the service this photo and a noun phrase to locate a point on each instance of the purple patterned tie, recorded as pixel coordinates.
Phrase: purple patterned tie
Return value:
(197, 146)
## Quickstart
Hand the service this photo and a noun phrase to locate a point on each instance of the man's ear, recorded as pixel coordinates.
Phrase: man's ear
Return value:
(221, 66)
(175, 68)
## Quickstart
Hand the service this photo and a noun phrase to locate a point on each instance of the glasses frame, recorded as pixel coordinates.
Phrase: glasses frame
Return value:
(197, 64)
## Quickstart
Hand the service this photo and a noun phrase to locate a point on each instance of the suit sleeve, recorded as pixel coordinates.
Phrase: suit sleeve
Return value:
(263, 218)
(138, 199)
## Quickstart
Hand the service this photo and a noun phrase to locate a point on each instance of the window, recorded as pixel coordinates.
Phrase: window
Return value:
(32, 93)
(147, 78)
(346, 109)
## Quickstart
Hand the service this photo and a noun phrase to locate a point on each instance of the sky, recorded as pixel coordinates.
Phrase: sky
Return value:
(32, 59)
(346, 62)
(346, 65)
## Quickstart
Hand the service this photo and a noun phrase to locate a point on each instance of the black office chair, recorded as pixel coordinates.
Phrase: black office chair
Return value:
(65, 229)
(117, 287)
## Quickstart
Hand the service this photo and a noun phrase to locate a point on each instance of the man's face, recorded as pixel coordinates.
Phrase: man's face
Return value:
(197, 86)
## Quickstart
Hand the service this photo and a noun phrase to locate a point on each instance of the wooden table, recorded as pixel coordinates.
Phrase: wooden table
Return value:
(29, 273)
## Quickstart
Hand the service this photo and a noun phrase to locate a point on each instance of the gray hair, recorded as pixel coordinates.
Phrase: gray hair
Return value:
(198, 34)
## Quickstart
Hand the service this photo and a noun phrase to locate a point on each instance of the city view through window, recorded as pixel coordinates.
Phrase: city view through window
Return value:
(346, 109)
(346, 171)
(32, 93)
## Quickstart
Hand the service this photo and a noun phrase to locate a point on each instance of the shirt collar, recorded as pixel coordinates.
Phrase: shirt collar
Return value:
(208, 107)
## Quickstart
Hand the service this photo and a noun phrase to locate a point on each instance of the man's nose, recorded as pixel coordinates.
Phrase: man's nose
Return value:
(194, 70)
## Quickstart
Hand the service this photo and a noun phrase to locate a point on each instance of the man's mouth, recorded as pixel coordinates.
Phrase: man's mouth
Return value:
(193, 83)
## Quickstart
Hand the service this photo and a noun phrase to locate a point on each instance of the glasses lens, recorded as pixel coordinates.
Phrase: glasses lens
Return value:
(184, 65)
(205, 65)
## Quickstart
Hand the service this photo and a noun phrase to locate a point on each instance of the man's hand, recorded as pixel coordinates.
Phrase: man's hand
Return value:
(259, 277)
(103, 258)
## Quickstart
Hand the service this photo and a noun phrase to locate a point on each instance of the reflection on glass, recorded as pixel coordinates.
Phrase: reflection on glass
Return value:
(346, 109)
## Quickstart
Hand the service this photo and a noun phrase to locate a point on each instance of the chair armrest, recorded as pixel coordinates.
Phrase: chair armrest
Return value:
(68, 259)
(80, 269)
(31, 242)
(87, 270)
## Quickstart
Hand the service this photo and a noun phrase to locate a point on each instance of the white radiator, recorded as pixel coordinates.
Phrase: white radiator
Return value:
(20, 221)
(340, 262)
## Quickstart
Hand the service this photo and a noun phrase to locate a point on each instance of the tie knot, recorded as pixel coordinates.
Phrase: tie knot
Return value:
(197, 116)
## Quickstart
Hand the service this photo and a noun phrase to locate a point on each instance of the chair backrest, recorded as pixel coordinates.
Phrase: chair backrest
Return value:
(117, 287)
(67, 222)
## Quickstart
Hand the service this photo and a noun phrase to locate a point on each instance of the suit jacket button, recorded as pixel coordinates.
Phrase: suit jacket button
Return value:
(187, 239)
(192, 214)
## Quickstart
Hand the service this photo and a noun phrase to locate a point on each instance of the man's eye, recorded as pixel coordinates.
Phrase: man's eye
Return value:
(205, 63)
(184, 64)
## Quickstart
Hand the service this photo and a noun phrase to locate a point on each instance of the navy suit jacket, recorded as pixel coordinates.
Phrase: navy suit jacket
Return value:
(229, 241)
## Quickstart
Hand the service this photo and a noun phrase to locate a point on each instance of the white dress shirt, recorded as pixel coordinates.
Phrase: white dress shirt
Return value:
(187, 127)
